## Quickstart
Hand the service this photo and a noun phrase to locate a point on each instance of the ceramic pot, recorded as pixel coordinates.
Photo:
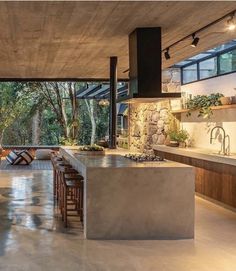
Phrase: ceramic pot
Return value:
(182, 145)
(167, 141)
(225, 100)
(174, 144)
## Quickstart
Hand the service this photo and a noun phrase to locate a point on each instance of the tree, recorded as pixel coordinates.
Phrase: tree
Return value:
(92, 115)
(11, 105)
(36, 126)
(47, 112)
(94, 121)
(61, 97)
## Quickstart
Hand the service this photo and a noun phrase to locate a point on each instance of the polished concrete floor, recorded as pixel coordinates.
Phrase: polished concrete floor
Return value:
(32, 236)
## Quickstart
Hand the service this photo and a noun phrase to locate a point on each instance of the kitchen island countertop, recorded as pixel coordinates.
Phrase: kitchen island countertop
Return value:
(113, 159)
(131, 200)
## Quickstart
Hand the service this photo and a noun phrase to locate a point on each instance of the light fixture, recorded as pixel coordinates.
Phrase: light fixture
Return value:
(103, 102)
(195, 40)
(231, 23)
(167, 55)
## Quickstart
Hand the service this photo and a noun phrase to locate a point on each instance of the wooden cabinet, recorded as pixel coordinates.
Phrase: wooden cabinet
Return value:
(214, 180)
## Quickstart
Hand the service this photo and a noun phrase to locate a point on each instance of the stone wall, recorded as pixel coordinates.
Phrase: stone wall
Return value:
(148, 124)
(171, 80)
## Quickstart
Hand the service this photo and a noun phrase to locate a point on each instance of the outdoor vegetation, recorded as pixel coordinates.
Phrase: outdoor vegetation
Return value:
(48, 113)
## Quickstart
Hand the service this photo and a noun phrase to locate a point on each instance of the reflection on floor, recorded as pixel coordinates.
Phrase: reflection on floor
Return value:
(32, 236)
(35, 165)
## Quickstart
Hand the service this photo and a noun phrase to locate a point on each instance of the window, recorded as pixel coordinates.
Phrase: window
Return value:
(214, 62)
(190, 74)
(208, 68)
(227, 62)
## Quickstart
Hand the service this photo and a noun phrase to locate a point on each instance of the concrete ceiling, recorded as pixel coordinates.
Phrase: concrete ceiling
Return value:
(76, 39)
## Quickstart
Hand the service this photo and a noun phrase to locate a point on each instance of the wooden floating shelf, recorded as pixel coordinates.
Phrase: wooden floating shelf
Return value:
(220, 107)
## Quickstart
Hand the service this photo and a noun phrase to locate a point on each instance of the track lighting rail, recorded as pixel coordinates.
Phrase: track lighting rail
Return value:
(196, 39)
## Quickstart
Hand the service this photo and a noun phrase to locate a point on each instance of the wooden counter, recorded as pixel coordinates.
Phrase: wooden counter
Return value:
(216, 180)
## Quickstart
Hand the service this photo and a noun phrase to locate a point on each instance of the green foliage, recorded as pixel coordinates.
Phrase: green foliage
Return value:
(178, 135)
(11, 105)
(93, 147)
(51, 130)
(19, 103)
(68, 141)
(102, 121)
(203, 103)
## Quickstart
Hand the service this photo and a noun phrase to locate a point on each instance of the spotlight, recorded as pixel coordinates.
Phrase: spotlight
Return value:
(195, 41)
(167, 55)
(231, 23)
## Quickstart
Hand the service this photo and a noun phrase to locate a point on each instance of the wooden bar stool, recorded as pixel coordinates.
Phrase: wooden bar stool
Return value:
(70, 189)
(57, 160)
(58, 183)
(54, 159)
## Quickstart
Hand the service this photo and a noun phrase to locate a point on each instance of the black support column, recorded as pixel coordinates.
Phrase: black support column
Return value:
(113, 91)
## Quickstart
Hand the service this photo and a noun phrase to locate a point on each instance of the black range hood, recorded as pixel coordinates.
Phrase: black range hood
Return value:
(145, 69)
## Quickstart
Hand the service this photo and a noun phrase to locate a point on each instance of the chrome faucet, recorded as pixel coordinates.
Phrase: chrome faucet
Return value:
(224, 139)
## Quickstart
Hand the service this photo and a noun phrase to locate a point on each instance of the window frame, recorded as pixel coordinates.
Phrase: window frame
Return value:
(183, 70)
(216, 67)
(217, 55)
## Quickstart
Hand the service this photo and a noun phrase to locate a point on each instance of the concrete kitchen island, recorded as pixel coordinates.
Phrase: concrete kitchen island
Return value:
(124, 199)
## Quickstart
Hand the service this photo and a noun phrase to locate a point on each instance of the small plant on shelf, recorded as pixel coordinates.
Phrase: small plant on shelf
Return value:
(178, 137)
(203, 103)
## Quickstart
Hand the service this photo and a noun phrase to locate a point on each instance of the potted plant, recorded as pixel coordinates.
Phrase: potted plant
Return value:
(178, 138)
(173, 137)
(203, 103)
(182, 137)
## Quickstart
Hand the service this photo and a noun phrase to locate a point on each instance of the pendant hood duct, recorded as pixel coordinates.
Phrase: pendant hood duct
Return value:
(145, 55)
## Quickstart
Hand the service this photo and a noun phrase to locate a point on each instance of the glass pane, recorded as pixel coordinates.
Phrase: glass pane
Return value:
(222, 47)
(228, 62)
(199, 56)
(182, 63)
(208, 68)
(190, 73)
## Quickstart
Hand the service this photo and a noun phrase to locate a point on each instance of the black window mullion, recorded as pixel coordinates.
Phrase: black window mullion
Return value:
(218, 64)
(181, 76)
(198, 71)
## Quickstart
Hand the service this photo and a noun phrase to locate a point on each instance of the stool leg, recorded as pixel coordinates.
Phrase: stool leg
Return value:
(62, 200)
(65, 206)
(54, 183)
(81, 201)
(56, 179)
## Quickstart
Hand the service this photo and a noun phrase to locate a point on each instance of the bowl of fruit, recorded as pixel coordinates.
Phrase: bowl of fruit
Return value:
(91, 150)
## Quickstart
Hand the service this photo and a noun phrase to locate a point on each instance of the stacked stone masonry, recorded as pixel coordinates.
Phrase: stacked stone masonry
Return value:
(148, 125)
